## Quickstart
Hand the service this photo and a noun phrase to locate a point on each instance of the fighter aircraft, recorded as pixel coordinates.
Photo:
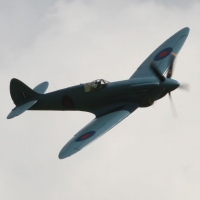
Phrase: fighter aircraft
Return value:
(110, 102)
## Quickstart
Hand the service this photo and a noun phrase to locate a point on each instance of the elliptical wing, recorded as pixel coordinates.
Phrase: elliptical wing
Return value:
(163, 56)
(95, 129)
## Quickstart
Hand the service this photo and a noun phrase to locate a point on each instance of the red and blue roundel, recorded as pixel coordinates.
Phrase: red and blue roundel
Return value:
(85, 136)
(163, 54)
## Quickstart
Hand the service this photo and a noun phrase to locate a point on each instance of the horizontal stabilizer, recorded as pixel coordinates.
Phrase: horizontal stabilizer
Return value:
(41, 88)
(18, 110)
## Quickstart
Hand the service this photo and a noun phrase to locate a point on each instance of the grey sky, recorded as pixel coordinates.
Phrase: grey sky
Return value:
(150, 155)
(172, 3)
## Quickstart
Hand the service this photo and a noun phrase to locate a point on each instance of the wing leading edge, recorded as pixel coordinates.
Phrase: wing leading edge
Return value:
(95, 129)
(163, 56)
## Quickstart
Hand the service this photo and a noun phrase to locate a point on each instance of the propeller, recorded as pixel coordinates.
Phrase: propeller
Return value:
(169, 75)
(162, 78)
(183, 86)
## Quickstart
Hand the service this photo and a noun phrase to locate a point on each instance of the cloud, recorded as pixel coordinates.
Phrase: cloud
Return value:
(149, 155)
(20, 26)
(178, 3)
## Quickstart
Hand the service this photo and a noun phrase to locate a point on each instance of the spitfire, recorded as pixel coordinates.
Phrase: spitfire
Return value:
(110, 102)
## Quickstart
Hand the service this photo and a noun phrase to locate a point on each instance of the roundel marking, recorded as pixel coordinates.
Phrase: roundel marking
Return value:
(85, 136)
(67, 102)
(163, 54)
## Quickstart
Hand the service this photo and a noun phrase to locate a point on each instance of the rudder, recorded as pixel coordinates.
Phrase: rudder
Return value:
(21, 93)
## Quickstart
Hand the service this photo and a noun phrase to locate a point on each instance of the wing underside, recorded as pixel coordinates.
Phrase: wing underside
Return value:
(163, 56)
(95, 129)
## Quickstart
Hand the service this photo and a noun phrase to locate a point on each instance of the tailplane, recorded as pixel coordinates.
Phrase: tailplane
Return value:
(23, 96)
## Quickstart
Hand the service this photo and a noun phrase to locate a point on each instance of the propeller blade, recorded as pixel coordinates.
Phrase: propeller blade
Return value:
(171, 69)
(172, 106)
(157, 72)
(185, 87)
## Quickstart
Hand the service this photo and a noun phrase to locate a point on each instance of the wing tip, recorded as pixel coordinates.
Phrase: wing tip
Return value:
(11, 115)
(61, 156)
(185, 30)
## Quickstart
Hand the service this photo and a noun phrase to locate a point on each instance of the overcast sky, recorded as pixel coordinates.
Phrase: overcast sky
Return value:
(150, 155)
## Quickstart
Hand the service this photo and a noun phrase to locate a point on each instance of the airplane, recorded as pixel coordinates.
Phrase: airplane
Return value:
(110, 102)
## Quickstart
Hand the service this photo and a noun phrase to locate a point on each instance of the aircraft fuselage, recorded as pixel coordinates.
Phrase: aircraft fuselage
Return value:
(141, 90)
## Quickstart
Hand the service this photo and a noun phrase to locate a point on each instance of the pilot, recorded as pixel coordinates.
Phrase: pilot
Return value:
(94, 84)
(98, 84)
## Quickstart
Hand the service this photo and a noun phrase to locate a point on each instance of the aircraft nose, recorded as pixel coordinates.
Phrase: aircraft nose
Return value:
(175, 84)
(171, 84)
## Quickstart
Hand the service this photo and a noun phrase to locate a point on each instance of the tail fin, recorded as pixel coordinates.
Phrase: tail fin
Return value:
(23, 96)
(21, 93)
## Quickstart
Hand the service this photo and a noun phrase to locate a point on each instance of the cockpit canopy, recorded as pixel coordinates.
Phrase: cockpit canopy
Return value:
(95, 85)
